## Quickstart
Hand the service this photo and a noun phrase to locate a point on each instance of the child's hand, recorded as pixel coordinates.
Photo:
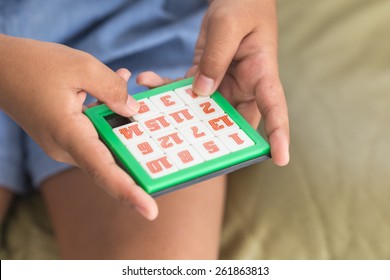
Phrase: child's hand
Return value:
(237, 51)
(43, 87)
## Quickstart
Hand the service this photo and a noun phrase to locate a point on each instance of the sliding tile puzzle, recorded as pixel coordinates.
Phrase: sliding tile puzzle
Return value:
(178, 139)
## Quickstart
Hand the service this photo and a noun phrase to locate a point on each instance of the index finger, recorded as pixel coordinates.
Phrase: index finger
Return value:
(218, 42)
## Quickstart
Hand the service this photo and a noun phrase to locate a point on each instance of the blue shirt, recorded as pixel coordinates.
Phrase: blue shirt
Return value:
(141, 35)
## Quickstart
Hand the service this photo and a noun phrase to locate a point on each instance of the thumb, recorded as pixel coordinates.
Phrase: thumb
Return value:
(111, 88)
(124, 74)
(219, 43)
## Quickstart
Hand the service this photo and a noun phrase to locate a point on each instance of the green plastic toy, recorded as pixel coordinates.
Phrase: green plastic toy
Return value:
(178, 138)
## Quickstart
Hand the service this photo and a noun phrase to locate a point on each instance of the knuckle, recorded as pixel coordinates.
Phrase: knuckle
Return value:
(270, 84)
(118, 89)
(127, 197)
(123, 197)
(116, 92)
(95, 175)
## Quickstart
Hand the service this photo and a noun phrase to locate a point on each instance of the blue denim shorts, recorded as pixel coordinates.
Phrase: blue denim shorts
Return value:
(157, 35)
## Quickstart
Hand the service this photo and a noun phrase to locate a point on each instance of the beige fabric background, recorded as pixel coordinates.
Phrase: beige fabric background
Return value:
(332, 201)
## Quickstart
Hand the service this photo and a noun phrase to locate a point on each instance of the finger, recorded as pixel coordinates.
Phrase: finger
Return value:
(199, 46)
(221, 42)
(124, 74)
(273, 109)
(152, 80)
(94, 158)
(110, 88)
(92, 104)
(191, 72)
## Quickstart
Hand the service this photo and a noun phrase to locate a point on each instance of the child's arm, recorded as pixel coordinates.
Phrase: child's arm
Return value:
(43, 87)
(237, 52)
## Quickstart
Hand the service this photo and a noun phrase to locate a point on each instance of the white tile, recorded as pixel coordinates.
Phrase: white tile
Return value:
(144, 149)
(221, 124)
(156, 124)
(196, 132)
(159, 166)
(188, 96)
(166, 101)
(185, 157)
(146, 109)
(211, 149)
(183, 116)
(170, 140)
(236, 140)
(130, 132)
(206, 109)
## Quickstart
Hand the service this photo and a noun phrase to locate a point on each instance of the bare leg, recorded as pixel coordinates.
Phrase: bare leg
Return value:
(91, 225)
(5, 200)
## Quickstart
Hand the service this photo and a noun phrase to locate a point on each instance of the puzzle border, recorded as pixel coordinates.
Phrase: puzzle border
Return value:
(203, 171)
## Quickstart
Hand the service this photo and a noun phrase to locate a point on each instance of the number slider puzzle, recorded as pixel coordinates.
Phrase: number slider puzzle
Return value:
(178, 139)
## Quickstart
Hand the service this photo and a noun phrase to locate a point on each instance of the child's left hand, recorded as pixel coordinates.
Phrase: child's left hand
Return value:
(237, 52)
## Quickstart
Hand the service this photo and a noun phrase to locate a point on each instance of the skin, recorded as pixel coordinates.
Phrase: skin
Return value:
(27, 96)
(236, 52)
(188, 226)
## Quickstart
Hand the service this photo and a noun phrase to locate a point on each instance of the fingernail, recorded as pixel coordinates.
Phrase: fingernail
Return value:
(143, 212)
(204, 85)
(132, 105)
(126, 75)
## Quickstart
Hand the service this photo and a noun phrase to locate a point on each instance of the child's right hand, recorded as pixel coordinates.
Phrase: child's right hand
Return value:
(43, 87)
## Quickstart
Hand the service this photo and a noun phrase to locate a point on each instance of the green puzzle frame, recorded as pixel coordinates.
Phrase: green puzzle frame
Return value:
(224, 164)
